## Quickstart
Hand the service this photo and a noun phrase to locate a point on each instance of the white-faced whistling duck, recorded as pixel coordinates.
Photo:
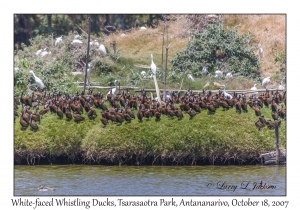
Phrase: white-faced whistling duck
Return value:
(23, 122)
(256, 108)
(126, 117)
(59, 112)
(273, 105)
(140, 114)
(274, 115)
(36, 116)
(244, 104)
(178, 113)
(157, 115)
(104, 121)
(147, 114)
(33, 125)
(91, 113)
(259, 125)
(22, 98)
(196, 107)
(211, 108)
(119, 118)
(68, 113)
(262, 119)
(279, 122)
(77, 117)
(192, 113)
(103, 106)
(45, 110)
(282, 112)
(270, 124)
(224, 105)
(238, 107)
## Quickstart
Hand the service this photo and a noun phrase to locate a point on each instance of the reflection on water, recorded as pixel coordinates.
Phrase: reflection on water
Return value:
(150, 180)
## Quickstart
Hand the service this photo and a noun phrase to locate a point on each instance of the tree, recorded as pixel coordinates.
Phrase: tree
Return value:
(218, 48)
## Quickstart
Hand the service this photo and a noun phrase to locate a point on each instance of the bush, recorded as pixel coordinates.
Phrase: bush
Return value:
(219, 49)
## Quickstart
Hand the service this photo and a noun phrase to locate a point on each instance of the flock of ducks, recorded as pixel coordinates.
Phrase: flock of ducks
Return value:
(122, 105)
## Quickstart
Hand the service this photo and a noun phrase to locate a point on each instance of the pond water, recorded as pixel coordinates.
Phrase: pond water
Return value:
(98, 180)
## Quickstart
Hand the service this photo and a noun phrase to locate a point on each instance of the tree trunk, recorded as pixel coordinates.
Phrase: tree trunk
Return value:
(120, 22)
(150, 21)
(49, 23)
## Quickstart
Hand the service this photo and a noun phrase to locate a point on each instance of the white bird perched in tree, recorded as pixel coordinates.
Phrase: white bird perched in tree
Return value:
(204, 71)
(38, 81)
(102, 50)
(265, 82)
(280, 87)
(95, 43)
(143, 28)
(38, 52)
(76, 42)
(260, 51)
(77, 36)
(44, 53)
(218, 74)
(226, 95)
(228, 75)
(253, 88)
(59, 40)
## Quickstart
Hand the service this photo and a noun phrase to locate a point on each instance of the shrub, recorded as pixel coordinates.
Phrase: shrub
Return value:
(218, 48)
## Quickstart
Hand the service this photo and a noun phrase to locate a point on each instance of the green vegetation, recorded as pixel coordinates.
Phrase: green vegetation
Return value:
(218, 48)
(221, 137)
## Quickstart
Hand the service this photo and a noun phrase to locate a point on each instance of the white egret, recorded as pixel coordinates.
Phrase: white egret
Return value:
(218, 74)
(95, 43)
(143, 28)
(102, 50)
(38, 52)
(44, 53)
(260, 51)
(143, 74)
(228, 75)
(217, 85)
(280, 87)
(114, 90)
(59, 40)
(88, 71)
(253, 88)
(76, 42)
(190, 77)
(123, 34)
(153, 66)
(206, 85)
(226, 95)
(77, 36)
(204, 71)
(38, 81)
(153, 69)
(265, 82)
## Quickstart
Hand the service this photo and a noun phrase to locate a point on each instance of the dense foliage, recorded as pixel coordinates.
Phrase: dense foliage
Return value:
(219, 48)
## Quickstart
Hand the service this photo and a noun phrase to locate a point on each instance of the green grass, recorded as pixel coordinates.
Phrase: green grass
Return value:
(225, 135)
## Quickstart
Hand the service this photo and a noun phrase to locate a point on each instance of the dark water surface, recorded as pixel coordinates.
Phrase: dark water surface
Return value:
(96, 180)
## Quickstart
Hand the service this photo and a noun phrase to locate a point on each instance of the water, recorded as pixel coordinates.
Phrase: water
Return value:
(96, 180)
